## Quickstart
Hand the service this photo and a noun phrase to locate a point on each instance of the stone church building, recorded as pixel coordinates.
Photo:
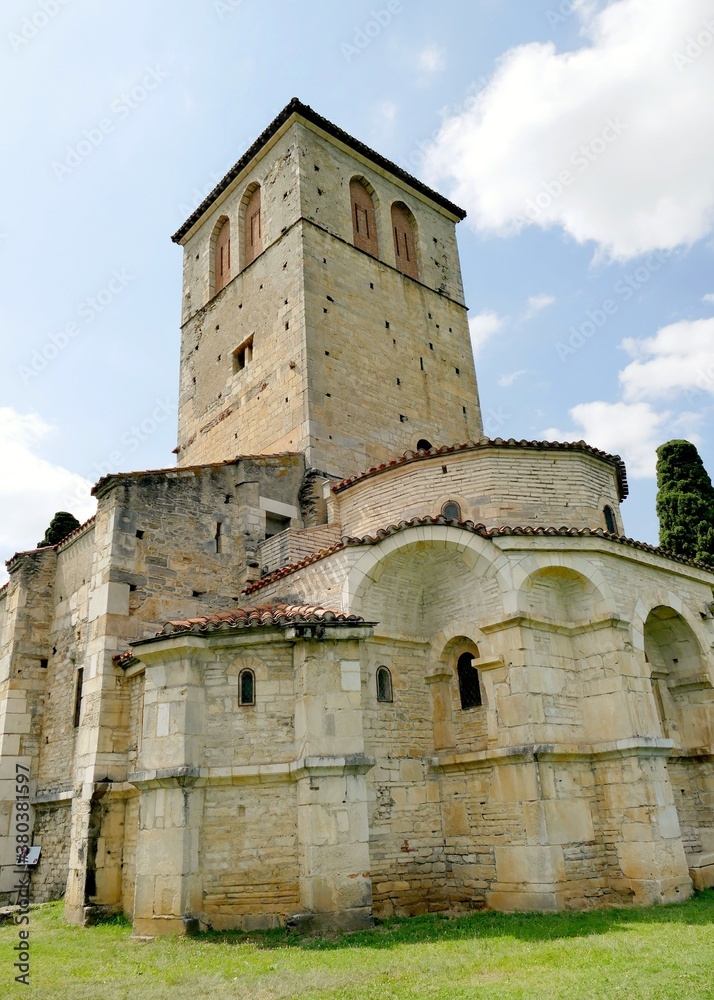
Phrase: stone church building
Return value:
(349, 657)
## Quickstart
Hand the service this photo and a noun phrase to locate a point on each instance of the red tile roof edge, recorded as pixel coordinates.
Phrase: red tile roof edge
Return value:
(476, 529)
(295, 106)
(419, 456)
(46, 548)
(257, 616)
(189, 468)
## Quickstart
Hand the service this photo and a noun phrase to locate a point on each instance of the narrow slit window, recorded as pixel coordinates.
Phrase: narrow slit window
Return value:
(610, 522)
(469, 683)
(78, 693)
(218, 537)
(384, 685)
(246, 684)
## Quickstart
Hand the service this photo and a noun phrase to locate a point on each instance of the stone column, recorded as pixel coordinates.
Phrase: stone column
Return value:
(168, 879)
(333, 819)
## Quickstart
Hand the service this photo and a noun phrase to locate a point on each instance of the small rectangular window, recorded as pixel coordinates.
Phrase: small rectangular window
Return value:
(243, 355)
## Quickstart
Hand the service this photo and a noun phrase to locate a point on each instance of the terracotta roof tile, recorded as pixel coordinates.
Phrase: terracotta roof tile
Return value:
(297, 107)
(482, 443)
(476, 529)
(262, 616)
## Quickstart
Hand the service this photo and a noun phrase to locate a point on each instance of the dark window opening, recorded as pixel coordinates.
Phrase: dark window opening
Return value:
(469, 684)
(243, 356)
(79, 684)
(218, 536)
(424, 445)
(140, 534)
(274, 524)
(452, 510)
(44, 662)
(610, 519)
(384, 685)
(246, 683)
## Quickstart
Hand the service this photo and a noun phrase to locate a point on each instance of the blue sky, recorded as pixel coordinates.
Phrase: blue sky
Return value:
(579, 137)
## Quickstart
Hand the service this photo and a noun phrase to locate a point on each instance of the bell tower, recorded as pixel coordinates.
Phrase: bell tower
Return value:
(323, 308)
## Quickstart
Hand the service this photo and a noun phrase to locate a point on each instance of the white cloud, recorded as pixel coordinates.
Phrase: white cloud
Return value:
(508, 378)
(482, 326)
(431, 59)
(679, 358)
(612, 141)
(32, 489)
(538, 302)
(388, 111)
(632, 430)
(708, 298)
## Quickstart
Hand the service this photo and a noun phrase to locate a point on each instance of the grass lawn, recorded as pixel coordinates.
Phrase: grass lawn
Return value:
(665, 953)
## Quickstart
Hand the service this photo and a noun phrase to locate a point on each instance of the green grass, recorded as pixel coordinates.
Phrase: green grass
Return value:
(664, 953)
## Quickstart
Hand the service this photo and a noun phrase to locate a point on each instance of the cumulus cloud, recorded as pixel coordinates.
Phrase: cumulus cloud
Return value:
(708, 298)
(482, 326)
(32, 489)
(633, 430)
(679, 358)
(613, 141)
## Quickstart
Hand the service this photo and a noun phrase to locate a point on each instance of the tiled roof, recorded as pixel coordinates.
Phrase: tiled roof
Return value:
(476, 529)
(262, 616)
(56, 548)
(420, 456)
(297, 107)
(178, 469)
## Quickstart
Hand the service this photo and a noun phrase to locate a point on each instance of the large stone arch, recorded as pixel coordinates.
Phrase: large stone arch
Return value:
(559, 569)
(478, 555)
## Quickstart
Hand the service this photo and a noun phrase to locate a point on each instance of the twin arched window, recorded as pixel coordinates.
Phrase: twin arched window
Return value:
(364, 228)
(252, 240)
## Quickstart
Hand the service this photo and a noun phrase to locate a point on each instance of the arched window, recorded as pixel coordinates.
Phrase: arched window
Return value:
(404, 240)
(252, 228)
(364, 220)
(221, 255)
(610, 519)
(424, 445)
(469, 684)
(452, 510)
(246, 687)
(384, 685)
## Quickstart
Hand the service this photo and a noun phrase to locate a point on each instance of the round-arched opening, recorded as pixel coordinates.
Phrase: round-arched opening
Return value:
(424, 445)
(405, 243)
(246, 687)
(364, 217)
(384, 685)
(469, 682)
(451, 510)
(610, 522)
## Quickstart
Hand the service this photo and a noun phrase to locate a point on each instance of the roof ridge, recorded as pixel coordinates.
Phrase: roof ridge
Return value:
(485, 442)
(477, 529)
(295, 106)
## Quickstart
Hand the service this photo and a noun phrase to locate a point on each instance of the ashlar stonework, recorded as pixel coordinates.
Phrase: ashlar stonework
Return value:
(349, 658)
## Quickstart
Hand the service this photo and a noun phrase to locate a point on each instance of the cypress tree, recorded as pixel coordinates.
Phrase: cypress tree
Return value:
(61, 525)
(685, 502)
